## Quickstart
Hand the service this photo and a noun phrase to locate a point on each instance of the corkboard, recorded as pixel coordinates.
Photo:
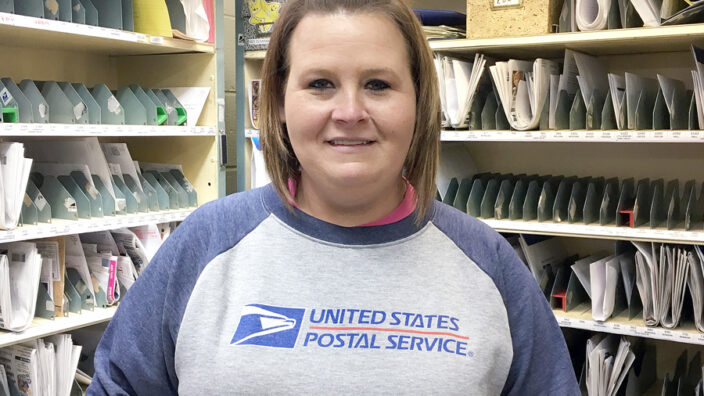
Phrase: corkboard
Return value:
(531, 18)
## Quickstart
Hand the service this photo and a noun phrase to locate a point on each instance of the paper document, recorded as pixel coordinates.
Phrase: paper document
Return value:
(193, 100)
(593, 14)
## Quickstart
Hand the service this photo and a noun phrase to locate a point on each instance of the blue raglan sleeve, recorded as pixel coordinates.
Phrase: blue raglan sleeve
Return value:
(541, 362)
(136, 353)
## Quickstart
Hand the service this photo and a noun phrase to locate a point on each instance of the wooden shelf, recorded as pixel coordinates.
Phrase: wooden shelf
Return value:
(581, 318)
(45, 327)
(102, 130)
(598, 231)
(603, 42)
(255, 55)
(68, 227)
(24, 31)
(580, 136)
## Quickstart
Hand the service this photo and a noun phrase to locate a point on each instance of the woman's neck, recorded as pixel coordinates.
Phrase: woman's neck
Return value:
(351, 207)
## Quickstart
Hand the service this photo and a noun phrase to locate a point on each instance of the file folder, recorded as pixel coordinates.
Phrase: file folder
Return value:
(578, 112)
(154, 178)
(182, 193)
(40, 203)
(608, 117)
(181, 116)
(138, 192)
(82, 202)
(614, 201)
(490, 194)
(40, 107)
(518, 198)
(460, 201)
(560, 206)
(60, 107)
(112, 112)
(7, 6)
(450, 194)
(162, 197)
(28, 214)
(63, 205)
(626, 201)
(156, 115)
(78, 12)
(135, 112)
(65, 10)
(658, 215)
(488, 115)
(109, 13)
(86, 298)
(33, 8)
(503, 199)
(110, 204)
(694, 215)
(45, 303)
(24, 106)
(9, 106)
(92, 107)
(80, 110)
(150, 193)
(92, 194)
(127, 16)
(177, 15)
(91, 12)
(74, 298)
(130, 200)
(474, 202)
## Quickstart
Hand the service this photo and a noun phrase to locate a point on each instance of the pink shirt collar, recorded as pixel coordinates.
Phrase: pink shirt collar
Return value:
(403, 210)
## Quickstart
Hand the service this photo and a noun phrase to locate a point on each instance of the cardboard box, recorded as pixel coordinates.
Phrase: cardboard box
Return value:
(501, 18)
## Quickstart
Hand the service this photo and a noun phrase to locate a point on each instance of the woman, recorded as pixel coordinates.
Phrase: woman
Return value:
(343, 276)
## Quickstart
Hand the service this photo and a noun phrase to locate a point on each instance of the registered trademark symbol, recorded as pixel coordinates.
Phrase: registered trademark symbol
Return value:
(470, 354)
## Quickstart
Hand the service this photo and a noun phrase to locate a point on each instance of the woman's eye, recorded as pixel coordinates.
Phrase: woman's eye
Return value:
(377, 85)
(320, 84)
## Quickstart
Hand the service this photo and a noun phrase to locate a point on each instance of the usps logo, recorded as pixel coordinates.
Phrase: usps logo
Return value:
(265, 325)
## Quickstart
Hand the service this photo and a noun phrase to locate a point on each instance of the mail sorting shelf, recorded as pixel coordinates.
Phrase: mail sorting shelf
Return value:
(580, 318)
(44, 327)
(21, 129)
(24, 31)
(577, 136)
(59, 227)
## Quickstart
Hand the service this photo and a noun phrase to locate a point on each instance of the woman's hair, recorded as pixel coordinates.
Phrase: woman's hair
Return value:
(421, 161)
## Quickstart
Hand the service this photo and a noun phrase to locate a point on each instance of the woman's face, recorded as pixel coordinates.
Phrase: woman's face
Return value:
(349, 103)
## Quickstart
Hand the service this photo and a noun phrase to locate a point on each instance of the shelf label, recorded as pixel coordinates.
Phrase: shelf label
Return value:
(156, 39)
(500, 4)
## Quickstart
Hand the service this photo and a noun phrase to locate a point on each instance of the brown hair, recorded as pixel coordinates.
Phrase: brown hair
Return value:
(421, 161)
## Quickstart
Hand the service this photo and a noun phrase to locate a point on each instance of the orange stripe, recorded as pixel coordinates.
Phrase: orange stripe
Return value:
(390, 330)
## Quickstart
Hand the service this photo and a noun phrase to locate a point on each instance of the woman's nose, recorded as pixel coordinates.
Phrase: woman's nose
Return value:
(349, 108)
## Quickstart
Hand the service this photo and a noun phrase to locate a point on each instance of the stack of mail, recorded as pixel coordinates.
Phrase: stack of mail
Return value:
(600, 275)
(523, 88)
(459, 81)
(149, 237)
(662, 273)
(20, 269)
(608, 361)
(14, 174)
(696, 284)
(43, 367)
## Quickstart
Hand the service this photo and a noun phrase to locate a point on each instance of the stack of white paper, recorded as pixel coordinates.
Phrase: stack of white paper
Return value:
(14, 174)
(608, 361)
(540, 252)
(592, 14)
(697, 81)
(458, 80)
(150, 238)
(676, 271)
(663, 273)
(523, 89)
(76, 259)
(42, 367)
(20, 270)
(696, 285)
(649, 281)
